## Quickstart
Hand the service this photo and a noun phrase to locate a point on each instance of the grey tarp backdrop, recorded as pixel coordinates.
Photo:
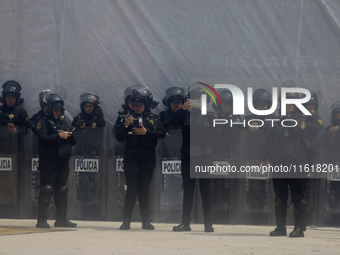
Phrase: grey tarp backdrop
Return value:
(105, 46)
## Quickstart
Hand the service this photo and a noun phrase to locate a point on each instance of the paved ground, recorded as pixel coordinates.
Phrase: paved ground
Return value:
(90, 237)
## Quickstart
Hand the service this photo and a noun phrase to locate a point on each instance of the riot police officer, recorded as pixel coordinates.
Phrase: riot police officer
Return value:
(55, 149)
(173, 100)
(285, 146)
(314, 122)
(198, 149)
(11, 113)
(226, 139)
(91, 113)
(332, 155)
(39, 114)
(141, 129)
(257, 128)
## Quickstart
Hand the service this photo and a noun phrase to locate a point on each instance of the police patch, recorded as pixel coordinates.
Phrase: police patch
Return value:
(27, 118)
(152, 122)
(94, 124)
(38, 126)
(303, 125)
(11, 116)
(320, 121)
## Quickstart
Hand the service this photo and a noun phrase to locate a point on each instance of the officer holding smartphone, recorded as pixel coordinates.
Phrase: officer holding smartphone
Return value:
(55, 150)
(140, 129)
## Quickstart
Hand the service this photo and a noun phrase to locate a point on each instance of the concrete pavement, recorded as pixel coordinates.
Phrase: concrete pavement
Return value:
(103, 237)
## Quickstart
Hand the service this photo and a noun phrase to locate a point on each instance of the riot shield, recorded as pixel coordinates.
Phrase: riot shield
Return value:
(87, 180)
(257, 192)
(10, 163)
(329, 181)
(171, 185)
(31, 178)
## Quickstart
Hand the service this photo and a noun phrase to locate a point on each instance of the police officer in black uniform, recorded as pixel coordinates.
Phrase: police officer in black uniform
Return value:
(257, 128)
(173, 100)
(141, 129)
(11, 113)
(39, 114)
(91, 113)
(332, 156)
(183, 117)
(314, 123)
(285, 146)
(226, 138)
(55, 149)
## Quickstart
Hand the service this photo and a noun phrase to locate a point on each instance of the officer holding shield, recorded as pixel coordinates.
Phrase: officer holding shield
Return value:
(91, 113)
(11, 113)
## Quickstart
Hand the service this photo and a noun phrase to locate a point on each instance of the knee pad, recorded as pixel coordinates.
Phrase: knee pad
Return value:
(47, 189)
(280, 202)
(63, 190)
(304, 205)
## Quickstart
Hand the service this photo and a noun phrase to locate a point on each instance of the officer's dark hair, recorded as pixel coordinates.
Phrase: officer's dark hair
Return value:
(262, 95)
(143, 94)
(226, 97)
(87, 97)
(174, 93)
(14, 87)
(48, 101)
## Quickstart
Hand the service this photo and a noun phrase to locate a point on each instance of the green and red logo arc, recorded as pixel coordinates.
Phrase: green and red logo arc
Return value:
(209, 93)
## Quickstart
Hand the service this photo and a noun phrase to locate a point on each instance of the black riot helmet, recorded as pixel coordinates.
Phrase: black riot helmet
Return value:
(290, 95)
(313, 101)
(12, 87)
(175, 93)
(52, 101)
(87, 97)
(262, 95)
(226, 97)
(334, 110)
(127, 94)
(142, 95)
(42, 95)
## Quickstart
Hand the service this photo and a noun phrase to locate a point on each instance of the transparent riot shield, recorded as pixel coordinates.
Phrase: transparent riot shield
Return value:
(87, 180)
(10, 163)
(225, 186)
(257, 193)
(31, 178)
(171, 186)
(329, 181)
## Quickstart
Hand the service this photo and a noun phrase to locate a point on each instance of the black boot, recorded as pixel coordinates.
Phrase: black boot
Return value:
(296, 233)
(278, 232)
(126, 222)
(44, 199)
(60, 199)
(301, 215)
(184, 226)
(208, 224)
(146, 223)
(280, 216)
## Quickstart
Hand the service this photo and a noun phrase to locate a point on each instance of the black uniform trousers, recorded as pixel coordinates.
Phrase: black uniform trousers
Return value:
(139, 165)
(297, 187)
(54, 171)
(189, 188)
